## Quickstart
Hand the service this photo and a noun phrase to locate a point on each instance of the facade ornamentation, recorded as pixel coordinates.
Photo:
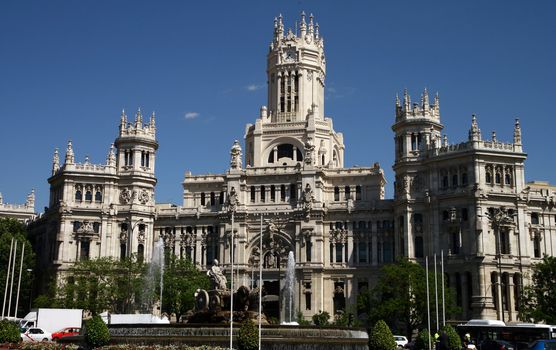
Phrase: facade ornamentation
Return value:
(235, 154)
(144, 197)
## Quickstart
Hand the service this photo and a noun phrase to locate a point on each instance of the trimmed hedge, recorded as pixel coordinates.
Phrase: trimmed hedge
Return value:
(454, 341)
(248, 336)
(381, 338)
(422, 341)
(9, 332)
(96, 332)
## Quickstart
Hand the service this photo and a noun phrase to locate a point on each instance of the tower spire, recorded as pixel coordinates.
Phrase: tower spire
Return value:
(425, 105)
(311, 25)
(152, 122)
(406, 100)
(302, 25)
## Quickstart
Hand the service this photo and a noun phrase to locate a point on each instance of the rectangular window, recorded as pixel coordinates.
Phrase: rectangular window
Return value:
(308, 248)
(362, 253)
(339, 252)
(84, 253)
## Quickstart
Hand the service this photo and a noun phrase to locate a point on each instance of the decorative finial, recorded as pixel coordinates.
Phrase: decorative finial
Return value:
(152, 122)
(55, 161)
(436, 103)
(406, 100)
(30, 202)
(317, 35)
(425, 105)
(87, 159)
(494, 136)
(111, 158)
(398, 104)
(445, 141)
(311, 26)
(138, 118)
(517, 132)
(123, 120)
(70, 157)
(474, 131)
(302, 25)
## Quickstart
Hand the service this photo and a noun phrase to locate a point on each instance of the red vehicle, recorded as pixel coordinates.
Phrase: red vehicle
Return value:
(65, 332)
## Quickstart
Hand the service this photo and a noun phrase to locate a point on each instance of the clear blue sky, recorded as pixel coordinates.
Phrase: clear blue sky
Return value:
(67, 68)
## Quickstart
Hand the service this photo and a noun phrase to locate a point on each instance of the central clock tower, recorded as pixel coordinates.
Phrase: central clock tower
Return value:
(293, 130)
(296, 72)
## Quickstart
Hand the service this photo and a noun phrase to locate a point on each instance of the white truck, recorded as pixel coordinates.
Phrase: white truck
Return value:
(52, 320)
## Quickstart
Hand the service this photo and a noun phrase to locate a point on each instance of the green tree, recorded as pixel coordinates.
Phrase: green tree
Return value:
(11, 228)
(381, 338)
(181, 280)
(399, 297)
(101, 284)
(538, 300)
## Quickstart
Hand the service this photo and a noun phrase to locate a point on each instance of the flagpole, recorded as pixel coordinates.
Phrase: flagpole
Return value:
(19, 280)
(7, 278)
(443, 291)
(436, 293)
(232, 285)
(428, 300)
(260, 280)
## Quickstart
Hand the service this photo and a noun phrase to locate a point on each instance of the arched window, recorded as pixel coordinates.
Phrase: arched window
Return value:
(212, 198)
(88, 196)
(336, 193)
(272, 193)
(283, 193)
(347, 192)
(445, 181)
(488, 177)
(455, 180)
(497, 178)
(464, 179)
(203, 199)
(221, 198)
(98, 197)
(507, 179)
(358, 192)
(263, 193)
(78, 196)
(253, 193)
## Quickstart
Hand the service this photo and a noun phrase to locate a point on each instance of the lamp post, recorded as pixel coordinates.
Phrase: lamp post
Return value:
(500, 218)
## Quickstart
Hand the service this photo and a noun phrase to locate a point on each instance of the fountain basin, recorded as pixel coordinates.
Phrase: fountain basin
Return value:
(274, 337)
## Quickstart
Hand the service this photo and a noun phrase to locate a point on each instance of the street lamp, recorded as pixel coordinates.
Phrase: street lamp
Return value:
(500, 218)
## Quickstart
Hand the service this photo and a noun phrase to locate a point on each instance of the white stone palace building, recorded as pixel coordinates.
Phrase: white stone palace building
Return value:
(469, 200)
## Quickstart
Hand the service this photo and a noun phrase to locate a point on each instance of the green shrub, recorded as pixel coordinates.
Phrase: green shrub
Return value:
(381, 338)
(454, 341)
(301, 319)
(321, 319)
(422, 341)
(9, 332)
(248, 336)
(96, 332)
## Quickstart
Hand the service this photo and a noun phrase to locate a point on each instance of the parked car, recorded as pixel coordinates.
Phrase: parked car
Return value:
(490, 344)
(401, 341)
(65, 332)
(543, 344)
(35, 334)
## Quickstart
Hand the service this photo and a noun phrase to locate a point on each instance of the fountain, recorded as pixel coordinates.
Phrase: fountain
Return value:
(208, 324)
(289, 290)
(155, 274)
